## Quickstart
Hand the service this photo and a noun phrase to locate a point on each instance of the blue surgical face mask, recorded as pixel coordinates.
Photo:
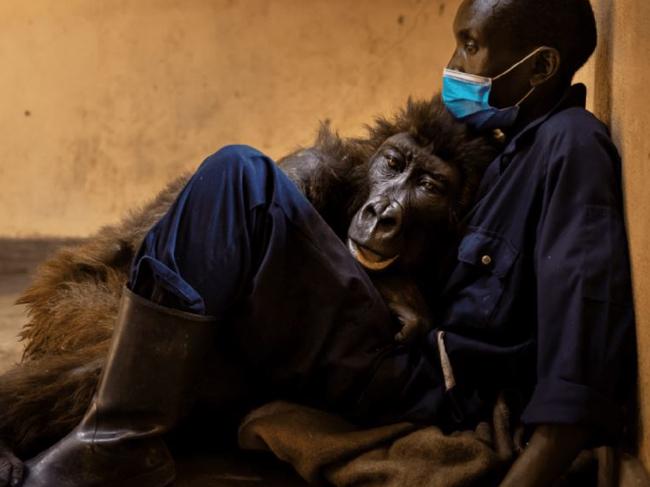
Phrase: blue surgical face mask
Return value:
(467, 97)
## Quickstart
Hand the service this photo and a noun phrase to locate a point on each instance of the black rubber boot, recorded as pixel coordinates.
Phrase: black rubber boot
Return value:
(146, 383)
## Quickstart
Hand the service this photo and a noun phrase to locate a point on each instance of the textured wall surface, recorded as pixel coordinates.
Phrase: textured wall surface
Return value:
(617, 78)
(104, 102)
(622, 95)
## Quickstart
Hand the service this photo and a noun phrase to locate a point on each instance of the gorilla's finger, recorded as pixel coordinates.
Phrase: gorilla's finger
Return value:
(5, 472)
(11, 469)
(409, 331)
(17, 473)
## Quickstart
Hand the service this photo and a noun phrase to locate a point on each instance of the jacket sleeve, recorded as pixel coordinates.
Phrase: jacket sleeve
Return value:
(586, 336)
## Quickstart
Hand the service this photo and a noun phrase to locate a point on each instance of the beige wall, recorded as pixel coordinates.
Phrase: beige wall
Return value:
(618, 76)
(104, 101)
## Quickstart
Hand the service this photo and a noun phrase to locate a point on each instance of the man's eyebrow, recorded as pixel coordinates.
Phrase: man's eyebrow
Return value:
(464, 33)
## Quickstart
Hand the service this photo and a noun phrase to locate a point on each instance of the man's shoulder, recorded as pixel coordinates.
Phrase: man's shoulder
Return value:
(577, 144)
(574, 124)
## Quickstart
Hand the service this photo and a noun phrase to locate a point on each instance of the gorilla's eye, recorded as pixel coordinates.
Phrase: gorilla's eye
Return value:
(432, 185)
(393, 160)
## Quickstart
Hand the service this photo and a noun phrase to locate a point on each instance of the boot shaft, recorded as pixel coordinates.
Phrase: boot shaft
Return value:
(152, 366)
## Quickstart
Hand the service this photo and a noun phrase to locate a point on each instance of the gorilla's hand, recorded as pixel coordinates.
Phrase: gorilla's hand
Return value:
(11, 468)
(404, 299)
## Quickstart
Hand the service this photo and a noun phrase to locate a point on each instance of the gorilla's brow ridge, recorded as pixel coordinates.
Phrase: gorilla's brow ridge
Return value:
(432, 164)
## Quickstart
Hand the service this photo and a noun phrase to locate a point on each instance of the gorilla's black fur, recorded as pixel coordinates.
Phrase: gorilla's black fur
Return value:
(73, 299)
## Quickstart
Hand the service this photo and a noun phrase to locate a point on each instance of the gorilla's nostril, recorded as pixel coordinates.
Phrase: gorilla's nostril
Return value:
(369, 210)
(387, 222)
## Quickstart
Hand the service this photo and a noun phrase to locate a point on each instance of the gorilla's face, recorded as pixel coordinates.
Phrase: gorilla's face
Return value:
(408, 211)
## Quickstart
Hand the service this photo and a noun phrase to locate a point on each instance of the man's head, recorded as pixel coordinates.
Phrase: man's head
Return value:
(493, 35)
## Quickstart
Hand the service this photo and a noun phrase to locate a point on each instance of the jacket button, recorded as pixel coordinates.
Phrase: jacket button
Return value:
(486, 260)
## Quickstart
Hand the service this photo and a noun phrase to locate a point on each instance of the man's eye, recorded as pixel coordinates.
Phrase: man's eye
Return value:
(471, 47)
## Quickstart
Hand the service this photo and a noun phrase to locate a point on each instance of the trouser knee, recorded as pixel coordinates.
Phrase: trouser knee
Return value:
(231, 163)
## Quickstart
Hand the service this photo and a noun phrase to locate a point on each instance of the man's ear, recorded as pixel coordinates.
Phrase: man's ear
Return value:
(547, 63)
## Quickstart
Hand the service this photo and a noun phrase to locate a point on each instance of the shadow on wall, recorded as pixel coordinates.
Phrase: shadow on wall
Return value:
(617, 76)
(603, 64)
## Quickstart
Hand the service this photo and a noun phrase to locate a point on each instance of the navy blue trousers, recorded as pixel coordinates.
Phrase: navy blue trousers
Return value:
(243, 244)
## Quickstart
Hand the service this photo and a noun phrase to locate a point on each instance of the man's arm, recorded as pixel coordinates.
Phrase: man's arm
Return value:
(548, 455)
(585, 321)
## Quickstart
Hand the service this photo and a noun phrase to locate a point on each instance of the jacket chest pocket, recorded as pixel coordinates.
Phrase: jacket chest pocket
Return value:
(480, 279)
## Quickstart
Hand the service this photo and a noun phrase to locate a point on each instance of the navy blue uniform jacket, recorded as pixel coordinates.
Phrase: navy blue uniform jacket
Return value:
(541, 292)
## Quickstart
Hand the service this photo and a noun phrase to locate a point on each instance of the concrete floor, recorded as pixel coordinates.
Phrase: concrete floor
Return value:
(18, 260)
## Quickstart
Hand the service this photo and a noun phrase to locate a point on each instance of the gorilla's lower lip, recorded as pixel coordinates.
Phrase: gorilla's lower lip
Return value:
(365, 260)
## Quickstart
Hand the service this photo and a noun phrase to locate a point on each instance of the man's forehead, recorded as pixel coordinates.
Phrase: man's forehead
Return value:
(476, 15)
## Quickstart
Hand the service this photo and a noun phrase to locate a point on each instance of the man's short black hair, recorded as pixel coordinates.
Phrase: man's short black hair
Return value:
(567, 25)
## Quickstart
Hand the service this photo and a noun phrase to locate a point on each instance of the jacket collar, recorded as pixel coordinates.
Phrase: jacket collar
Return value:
(574, 96)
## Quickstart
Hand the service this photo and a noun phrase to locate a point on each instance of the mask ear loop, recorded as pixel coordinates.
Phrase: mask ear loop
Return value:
(530, 92)
(519, 63)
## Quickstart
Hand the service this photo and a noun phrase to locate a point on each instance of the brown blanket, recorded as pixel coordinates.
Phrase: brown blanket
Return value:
(322, 447)
(325, 449)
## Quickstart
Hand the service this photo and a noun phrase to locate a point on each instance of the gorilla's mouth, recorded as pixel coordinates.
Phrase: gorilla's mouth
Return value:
(369, 259)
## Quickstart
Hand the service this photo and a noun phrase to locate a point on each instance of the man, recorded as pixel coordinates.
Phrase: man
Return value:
(549, 227)
(539, 300)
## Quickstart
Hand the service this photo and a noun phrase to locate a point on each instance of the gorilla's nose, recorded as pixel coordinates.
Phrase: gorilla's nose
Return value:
(383, 217)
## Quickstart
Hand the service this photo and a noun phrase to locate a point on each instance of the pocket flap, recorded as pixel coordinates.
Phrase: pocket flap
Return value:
(488, 251)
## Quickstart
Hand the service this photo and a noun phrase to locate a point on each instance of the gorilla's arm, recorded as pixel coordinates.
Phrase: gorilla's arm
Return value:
(405, 300)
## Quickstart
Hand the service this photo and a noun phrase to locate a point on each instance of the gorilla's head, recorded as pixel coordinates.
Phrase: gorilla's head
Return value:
(411, 194)
(422, 172)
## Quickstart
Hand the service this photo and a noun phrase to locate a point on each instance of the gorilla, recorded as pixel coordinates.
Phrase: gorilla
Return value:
(397, 197)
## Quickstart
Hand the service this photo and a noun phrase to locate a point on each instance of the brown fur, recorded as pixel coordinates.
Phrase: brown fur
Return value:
(74, 298)
(72, 304)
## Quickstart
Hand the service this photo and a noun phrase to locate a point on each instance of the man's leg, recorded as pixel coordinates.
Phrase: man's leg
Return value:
(242, 244)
